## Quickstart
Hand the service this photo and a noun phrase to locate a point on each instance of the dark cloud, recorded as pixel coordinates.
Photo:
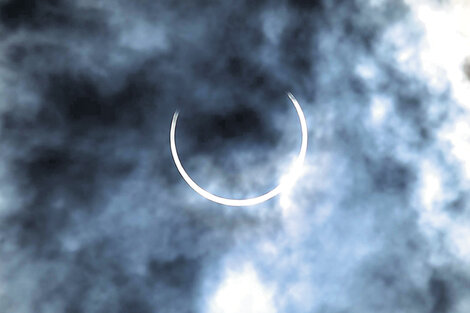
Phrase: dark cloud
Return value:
(40, 15)
(440, 293)
(466, 68)
(95, 217)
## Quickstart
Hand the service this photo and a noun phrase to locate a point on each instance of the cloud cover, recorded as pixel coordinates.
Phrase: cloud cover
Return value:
(95, 218)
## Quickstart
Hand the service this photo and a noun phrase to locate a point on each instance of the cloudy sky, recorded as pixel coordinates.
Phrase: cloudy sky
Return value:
(94, 216)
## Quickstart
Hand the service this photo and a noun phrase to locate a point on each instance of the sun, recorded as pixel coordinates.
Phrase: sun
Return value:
(285, 183)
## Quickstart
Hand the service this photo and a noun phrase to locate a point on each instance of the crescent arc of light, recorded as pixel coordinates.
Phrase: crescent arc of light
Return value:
(249, 201)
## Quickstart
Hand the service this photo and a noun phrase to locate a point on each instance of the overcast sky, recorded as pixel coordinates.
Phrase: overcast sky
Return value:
(95, 218)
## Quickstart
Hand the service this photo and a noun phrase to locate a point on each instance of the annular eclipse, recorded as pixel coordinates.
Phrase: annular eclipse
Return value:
(293, 172)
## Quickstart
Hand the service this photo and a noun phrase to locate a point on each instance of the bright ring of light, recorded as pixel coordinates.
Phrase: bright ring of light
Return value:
(250, 201)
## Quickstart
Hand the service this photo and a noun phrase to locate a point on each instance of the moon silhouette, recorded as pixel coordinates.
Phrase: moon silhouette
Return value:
(249, 201)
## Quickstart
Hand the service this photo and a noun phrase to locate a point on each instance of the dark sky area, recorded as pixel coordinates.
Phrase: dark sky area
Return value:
(95, 218)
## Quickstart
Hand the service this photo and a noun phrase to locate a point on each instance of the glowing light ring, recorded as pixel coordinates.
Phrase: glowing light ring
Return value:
(250, 201)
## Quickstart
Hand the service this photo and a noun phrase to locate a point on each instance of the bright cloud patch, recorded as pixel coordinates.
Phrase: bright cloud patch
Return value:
(242, 291)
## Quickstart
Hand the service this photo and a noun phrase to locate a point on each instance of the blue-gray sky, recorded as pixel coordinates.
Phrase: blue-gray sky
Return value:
(94, 216)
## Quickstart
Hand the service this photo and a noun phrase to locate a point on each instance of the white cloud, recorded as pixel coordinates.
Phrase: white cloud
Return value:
(242, 291)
